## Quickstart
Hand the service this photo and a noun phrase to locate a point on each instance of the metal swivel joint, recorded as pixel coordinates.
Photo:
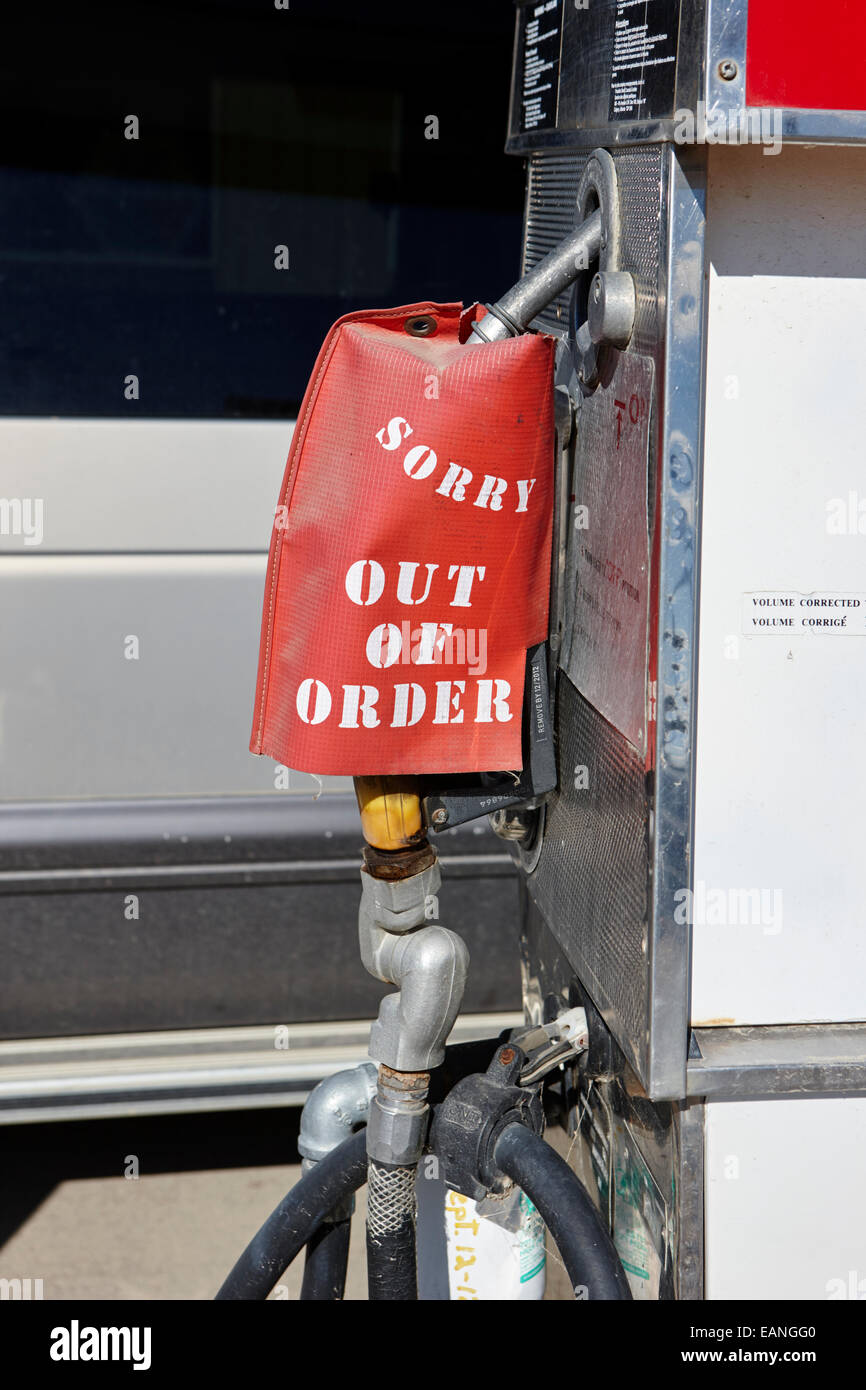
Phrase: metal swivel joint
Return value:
(402, 945)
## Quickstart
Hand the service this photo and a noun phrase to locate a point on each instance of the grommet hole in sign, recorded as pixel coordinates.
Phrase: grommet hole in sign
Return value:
(421, 326)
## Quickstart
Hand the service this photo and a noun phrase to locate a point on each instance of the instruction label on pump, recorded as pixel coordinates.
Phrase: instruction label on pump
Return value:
(783, 612)
(537, 68)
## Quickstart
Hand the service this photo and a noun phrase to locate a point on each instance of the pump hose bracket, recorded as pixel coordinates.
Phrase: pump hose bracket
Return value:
(474, 1113)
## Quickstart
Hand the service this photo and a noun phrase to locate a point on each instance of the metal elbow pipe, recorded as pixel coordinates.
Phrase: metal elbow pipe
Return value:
(429, 967)
(333, 1110)
(427, 963)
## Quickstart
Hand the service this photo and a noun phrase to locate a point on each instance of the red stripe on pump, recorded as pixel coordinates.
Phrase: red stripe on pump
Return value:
(807, 56)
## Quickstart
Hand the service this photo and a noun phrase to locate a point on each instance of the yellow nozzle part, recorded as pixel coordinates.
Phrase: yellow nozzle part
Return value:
(390, 811)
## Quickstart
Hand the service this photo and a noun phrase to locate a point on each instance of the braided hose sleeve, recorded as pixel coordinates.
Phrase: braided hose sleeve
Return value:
(391, 1210)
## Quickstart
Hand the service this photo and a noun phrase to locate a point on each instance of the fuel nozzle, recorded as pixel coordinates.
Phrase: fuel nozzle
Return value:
(514, 312)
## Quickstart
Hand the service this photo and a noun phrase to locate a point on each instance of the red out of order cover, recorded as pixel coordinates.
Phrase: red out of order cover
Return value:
(409, 564)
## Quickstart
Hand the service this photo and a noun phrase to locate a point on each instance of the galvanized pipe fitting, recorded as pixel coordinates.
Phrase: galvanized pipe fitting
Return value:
(332, 1111)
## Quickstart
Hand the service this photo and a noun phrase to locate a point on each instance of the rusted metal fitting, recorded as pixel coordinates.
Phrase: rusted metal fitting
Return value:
(399, 1116)
(392, 864)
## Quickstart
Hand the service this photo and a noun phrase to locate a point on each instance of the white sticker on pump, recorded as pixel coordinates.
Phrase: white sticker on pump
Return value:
(783, 612)
(496, 1251)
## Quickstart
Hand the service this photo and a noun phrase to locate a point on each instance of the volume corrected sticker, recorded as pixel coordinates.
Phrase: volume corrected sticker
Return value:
(786, 611)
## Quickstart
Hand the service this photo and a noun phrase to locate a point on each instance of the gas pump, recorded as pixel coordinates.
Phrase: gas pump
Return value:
(674, 587)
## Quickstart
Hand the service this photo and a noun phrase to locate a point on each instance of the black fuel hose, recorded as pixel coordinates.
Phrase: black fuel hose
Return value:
(326, 1262)
(392, 1272)
(299, 1214)
(566, 1208)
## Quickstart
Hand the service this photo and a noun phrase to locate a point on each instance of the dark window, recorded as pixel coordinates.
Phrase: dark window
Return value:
(258, 127)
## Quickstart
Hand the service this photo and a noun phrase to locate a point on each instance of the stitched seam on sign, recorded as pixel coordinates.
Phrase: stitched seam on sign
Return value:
(284, 501)
(290, 484)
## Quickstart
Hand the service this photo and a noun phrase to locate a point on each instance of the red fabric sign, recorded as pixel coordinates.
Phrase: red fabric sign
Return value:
(410, 558)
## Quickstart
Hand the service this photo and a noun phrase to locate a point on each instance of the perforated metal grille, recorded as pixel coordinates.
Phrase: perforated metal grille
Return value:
(551, 215)
(390, 1199)
(592, 879)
